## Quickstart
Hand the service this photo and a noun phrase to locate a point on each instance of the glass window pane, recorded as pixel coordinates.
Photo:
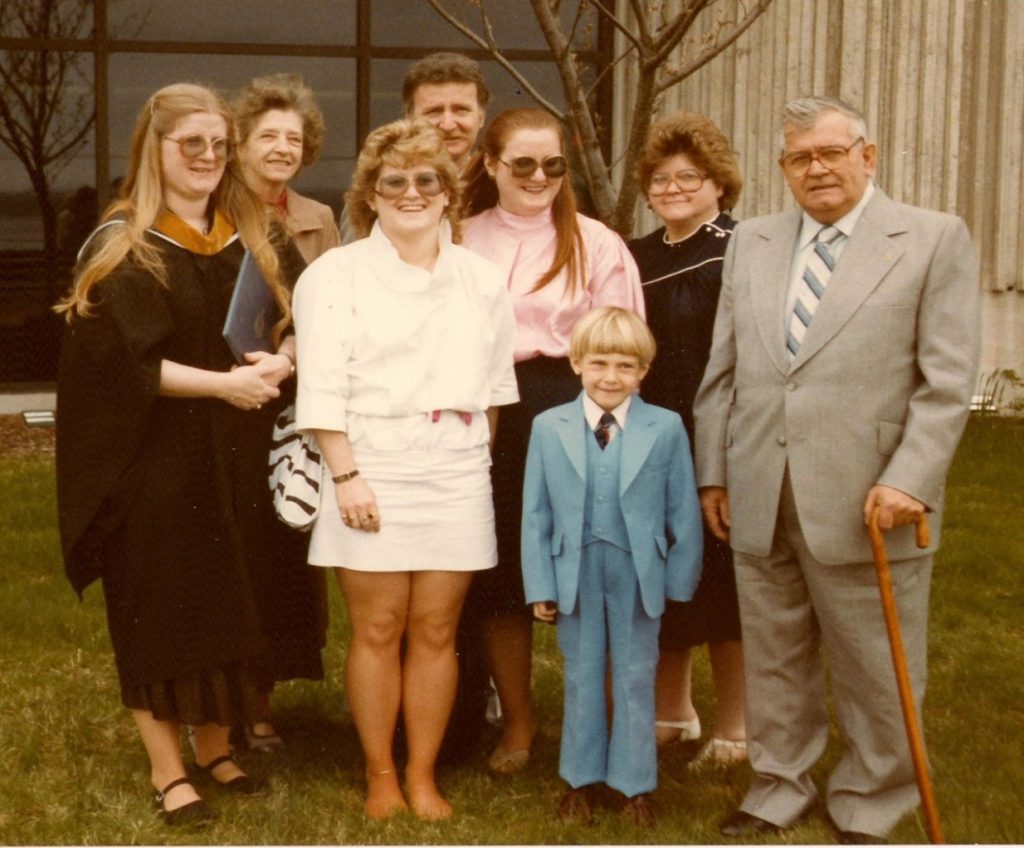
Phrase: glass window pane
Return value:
(32, 19)
(386, 77)
(236, 21)
(513, 24)
(134, 77)
(47, 207)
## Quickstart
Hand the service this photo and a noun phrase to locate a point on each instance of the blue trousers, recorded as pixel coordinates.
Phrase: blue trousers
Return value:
(609, 621)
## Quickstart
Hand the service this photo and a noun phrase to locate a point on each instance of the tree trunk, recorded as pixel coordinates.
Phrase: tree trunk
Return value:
(622, 221)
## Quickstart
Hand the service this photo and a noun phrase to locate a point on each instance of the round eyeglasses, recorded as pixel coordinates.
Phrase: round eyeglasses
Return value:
(427, 183)
(687, 180)
(194, 146)
(526, 166)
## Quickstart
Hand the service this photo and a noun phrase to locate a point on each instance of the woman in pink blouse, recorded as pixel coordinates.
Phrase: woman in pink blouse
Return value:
(558, 264)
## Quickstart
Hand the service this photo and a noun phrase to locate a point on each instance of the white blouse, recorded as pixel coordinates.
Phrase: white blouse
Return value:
(380, 338)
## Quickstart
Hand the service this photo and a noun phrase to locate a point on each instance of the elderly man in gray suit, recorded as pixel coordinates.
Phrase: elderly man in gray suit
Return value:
(840, 376)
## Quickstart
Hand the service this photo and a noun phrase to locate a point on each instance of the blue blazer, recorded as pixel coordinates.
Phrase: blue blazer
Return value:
(657, 495)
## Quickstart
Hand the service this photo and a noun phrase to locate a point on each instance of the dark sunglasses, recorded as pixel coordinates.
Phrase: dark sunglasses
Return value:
(427, 183)
(194, 146)
(526, 166)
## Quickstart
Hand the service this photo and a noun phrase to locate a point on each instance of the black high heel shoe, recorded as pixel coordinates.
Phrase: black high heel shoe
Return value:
(242, 784)
(194, 812)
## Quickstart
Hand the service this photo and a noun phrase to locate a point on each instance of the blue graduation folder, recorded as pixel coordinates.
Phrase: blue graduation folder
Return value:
(252, 312)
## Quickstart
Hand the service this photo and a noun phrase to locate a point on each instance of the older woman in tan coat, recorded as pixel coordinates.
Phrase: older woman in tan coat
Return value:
(280, 130)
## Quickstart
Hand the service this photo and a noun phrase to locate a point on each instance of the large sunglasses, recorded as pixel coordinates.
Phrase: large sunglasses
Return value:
(427, 183)
(526, 166)
(194, 146)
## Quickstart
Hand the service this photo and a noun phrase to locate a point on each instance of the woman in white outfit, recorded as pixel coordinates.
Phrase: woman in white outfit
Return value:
(405, 346)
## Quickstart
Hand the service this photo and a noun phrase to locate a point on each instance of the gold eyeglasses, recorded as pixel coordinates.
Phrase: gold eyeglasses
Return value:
(799, 163)
(688, 180)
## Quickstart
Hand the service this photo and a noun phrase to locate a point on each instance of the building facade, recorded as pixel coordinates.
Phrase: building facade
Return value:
(87, 66)
(941, 83)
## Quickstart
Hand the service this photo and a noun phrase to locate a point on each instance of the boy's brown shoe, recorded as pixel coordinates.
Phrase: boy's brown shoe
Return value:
(639, 811)
(577, 805)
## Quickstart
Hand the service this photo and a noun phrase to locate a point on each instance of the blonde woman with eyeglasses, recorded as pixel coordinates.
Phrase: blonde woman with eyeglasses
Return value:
(557, 265)
(405, 351)
(158, 432)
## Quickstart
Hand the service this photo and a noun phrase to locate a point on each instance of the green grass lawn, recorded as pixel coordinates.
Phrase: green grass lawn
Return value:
(72, 769)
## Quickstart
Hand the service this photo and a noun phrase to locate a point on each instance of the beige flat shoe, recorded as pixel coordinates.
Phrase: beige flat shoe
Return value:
(688, 731)
(264, 743)
(720, 753)
(508, 762)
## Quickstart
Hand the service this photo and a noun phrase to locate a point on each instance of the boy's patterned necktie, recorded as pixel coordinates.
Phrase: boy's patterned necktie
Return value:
(603, 430)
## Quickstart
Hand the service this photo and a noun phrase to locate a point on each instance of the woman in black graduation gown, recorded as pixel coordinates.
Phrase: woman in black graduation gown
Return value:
(161, 442)
(690, 176)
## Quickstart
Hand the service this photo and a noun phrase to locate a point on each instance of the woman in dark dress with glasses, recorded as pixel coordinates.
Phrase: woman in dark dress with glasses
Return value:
(691, 177)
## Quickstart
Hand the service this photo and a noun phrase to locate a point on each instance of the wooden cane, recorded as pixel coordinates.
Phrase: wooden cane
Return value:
(899, 661)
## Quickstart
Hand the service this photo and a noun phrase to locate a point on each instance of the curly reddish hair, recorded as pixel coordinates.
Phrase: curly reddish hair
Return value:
(699, 138)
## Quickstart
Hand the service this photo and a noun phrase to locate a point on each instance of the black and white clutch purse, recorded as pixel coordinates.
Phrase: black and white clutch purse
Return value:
(296, 468)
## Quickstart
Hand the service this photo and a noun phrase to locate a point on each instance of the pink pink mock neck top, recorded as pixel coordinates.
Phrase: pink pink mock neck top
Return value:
(524, 248)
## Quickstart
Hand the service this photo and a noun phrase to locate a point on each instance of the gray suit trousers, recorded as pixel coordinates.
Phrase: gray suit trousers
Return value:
(794, 611)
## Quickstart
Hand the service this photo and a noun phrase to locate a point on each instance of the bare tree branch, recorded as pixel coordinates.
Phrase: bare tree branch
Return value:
(583, 119)
(496, 54)
(714, 50)
(654, 41)
(615, 21)
(44, 121)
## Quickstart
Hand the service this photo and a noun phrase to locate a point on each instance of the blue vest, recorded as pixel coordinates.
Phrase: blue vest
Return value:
(602, 513)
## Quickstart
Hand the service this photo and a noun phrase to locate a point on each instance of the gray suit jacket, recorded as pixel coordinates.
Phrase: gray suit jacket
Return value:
(878, 393)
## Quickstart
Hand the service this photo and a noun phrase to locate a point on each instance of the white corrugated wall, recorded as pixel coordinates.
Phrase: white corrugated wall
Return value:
(942, 85)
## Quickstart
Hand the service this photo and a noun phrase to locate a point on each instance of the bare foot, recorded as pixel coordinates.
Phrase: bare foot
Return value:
(517, 736)
(384, 796)
(426, 801)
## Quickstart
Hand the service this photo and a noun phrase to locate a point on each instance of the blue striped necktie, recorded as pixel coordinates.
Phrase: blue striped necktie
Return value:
(811, 287)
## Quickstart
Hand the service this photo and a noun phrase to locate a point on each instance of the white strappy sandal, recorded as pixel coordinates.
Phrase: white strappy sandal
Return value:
(688, 731)
(720, 753)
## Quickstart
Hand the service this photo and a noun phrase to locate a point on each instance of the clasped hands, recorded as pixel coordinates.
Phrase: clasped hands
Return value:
(252, 385)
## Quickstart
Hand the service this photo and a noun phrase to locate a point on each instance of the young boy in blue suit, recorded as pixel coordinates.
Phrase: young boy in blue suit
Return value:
(611, 527)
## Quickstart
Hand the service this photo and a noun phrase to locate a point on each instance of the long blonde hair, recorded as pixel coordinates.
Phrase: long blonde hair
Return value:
(141, 202)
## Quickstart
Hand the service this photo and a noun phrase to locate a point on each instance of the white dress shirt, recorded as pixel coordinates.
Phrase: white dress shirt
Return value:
(592, 412)
(809, 228)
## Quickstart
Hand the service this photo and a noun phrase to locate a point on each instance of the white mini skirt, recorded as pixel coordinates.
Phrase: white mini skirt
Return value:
(432, 483)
